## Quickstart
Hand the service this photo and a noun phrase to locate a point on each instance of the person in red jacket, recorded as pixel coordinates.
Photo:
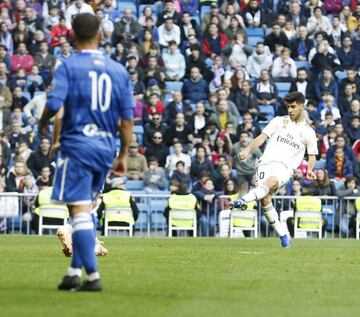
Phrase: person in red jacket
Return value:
(57, 31)
(22, 60)
(214, 41)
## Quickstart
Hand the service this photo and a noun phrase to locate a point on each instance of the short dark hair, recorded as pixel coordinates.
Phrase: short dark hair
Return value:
(295, 96)
(352, 178)
(86, 26)
(153, 159)
(180, 163)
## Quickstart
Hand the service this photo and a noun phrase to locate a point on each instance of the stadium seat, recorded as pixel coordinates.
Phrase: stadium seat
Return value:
(168, 98)
(26, 95)
(302, 64)
(283, 88)
(252, 32)
(320, 164)
(203, 10)
(124, 214)
(173, 85)
(268, 111)
(184, 220)
(329, 213)
(142, 223)
(157, 219)
(313, 218)
(244, 220)
(59, 213)
(253, 40)
(127, 5)
(139, 131)
(134, 185)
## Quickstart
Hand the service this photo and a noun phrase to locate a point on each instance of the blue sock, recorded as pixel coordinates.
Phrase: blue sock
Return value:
(84, 241)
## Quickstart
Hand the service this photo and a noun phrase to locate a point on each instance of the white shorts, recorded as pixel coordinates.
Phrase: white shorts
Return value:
(276, 169)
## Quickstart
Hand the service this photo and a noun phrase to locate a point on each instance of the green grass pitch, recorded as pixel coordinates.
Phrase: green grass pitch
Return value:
(186, 277)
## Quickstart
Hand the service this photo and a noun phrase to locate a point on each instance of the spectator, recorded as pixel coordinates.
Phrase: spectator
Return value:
(353, 131)
(200, 164)
(154, 176)
(154, 72)
(178, 155)
(15, 179)
(348, 19)
(246, 169)
(318, 22)
(214, 41)
(223, 95)
(33, 22)
(37, 39)
(303, 84)
(5, 92)
(180, 175)
(314, 115)
(177, 105)
(346, 98)
(195, 59)
(168, 12)
(195, 88)
(259, 60)
(40, 157)
(34, 81)
(153, 106)
(322, 186)
(295, 16)
(284, 68)
(179, 132)
(347, 221)
(155, 125)
(276, 37)
(21, 34)
(174, 62)
(207, 17)
(119, 54)
(354, 111)
(301, 46)
(340, 167)
(206, 197)
(168, 31)
(22, 59)
(136, 163)
(189, 6)
(5, 57)
(57, 31)
(326, 84)
(157, 148)
(109, 11)
(127, 29)
(65, 52)
(223, 115)
(132, 65)
(6, 38)
(225, 175)
(330, 107)
(154, 51)
(324, 58)
(199, 122)
(337, 31)
(347, 56)
(353, 79)
(254, 16)
(244, 99)
(265, 90)
(45, 178)
(78, 6)
(248, 125)
(34, 108)
(5, 114)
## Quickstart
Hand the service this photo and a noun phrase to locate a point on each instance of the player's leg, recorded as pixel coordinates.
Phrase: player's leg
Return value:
(73, 186)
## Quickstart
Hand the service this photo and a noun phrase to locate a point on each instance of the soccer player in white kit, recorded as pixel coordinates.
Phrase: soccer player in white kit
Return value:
(289, 137)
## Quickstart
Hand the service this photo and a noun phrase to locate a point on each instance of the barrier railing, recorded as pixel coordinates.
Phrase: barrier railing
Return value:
(339, 213)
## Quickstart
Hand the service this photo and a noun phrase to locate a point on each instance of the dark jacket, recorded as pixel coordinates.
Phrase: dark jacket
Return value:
(159, 151)
(150, 129)
(320, 88)
(295, 44)
(347, 60)
(347, 168)
(310, 94)
(321, 61)
(195, 91)
(171, 111)
(243, 103)
(349, 153)
(37, 161)
(198, 168)
(271, 40)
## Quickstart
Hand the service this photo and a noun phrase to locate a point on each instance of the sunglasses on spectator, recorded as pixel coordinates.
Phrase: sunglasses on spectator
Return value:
(157, 137)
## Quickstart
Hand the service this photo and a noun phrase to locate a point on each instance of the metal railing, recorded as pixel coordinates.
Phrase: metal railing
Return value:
(338, 212)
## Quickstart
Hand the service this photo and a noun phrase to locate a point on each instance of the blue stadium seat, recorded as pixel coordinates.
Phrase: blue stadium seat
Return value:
(132, 185)
(203, 10)
(157, 219)
(127, 5)
(143, 220)
(253, 40)
(283, 88)
(302, 64)
(167, 98)
(196, 18)
(329, 213)
(173, 85)
(26, 95)
(268, 111)
(320, 164)
(139, 131)
(259, 32)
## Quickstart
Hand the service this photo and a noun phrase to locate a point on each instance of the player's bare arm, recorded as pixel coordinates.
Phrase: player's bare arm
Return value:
(125, 129)
(311, 164)
(44, 120)
(255, 144)
(57, 131)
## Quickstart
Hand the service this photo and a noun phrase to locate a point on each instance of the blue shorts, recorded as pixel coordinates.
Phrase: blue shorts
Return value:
(74, 183)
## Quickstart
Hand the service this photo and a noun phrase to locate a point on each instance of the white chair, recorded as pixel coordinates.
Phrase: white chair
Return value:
(182, 220)
(245, 216)
(315, 217)
(60, 212)
(122, 214)
(357, 225)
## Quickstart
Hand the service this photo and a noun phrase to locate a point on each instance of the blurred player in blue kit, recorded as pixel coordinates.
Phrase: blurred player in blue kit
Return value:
(97, 99)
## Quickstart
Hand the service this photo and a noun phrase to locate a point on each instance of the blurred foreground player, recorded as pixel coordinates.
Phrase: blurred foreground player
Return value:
(95, 92)
(289, 137)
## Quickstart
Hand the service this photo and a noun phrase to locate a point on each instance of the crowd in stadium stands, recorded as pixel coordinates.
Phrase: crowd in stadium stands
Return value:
(206, 77)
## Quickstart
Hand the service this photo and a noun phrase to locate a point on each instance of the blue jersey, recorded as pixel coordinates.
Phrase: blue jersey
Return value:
(95, 92)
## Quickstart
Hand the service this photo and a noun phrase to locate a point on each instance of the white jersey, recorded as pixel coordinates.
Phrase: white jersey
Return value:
(288, 141)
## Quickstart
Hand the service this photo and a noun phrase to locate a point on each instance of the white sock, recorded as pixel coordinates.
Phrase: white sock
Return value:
(256, 193)
(272, 216)
(93, 276)
(73, 272)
